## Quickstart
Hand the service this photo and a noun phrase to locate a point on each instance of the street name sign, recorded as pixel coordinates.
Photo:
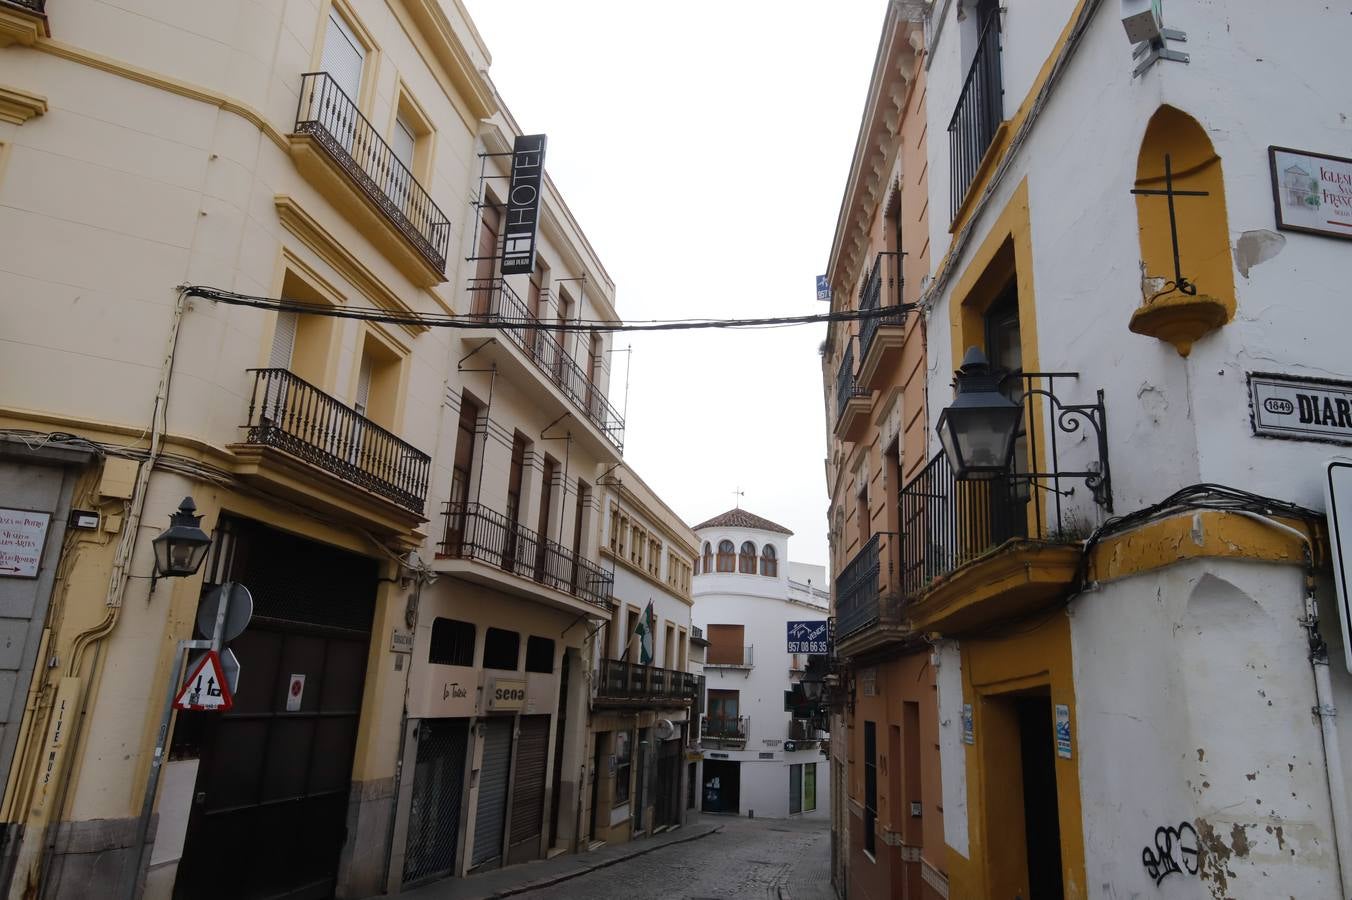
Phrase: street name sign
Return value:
(1306, 409)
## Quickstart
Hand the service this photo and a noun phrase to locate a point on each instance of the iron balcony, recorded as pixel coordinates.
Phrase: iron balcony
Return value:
(290, 414)
(475, 532)
(621, 683)
(724, 731)
(978, 115)
(852, 400)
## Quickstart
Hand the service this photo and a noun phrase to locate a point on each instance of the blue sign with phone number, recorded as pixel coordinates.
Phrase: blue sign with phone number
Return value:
(807, 637)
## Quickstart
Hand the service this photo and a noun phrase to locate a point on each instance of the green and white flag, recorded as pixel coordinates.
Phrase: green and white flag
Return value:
(644, 629)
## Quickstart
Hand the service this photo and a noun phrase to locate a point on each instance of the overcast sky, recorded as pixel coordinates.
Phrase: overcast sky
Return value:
(703, 147)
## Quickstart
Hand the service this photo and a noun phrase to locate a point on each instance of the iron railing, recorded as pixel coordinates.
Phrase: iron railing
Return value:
(724, 728)
(803, 729)
(291, 414)
(620, 680)
(473, 531)
(746, 661)
(326, 113)
(857, 591)
(37, 6)
(871, 296)
(846, 386)
(979, 113)
(494, 300)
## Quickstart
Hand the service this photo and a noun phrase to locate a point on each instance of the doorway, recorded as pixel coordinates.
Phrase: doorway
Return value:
(722, 786)
(1041, 820)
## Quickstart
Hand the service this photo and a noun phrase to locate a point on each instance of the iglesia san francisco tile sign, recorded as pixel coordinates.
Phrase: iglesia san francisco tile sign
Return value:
(1307, 409)
(1311, 191)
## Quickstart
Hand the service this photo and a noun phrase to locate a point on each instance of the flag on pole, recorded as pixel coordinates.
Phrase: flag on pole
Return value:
(644, 628)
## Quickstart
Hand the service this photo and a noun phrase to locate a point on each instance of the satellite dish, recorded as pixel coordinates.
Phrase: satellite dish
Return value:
(664, 729)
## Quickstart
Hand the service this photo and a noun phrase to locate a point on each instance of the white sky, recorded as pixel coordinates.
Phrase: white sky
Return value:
(703, 146)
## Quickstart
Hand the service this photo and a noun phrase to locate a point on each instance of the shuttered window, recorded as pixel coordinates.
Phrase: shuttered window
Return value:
(283, 340)
(343, 56)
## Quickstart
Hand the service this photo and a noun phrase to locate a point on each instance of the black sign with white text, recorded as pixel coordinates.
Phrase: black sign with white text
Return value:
(523, 205)
(1308, 409)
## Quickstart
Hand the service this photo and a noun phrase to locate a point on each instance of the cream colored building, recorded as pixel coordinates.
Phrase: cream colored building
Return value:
(352, 472)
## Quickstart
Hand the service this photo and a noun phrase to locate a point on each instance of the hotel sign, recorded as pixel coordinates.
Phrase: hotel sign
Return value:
(523, 205)
(1307, 409)
(1311, 191)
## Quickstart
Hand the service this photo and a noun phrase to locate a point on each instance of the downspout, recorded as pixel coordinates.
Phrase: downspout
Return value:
(1324, 708)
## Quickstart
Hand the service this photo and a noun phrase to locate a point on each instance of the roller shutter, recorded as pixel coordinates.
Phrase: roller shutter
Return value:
(528, 794)
(492, 810)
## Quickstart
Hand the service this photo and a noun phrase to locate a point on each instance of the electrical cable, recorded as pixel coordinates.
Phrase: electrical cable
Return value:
(496, 321)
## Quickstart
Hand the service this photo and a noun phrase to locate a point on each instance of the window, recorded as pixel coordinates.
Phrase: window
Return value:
(870, 784)
(343, 56)
(637, 543)
(769, 564)
(614, 529)
(726, 645)
(623, 766)
(746, 562)
(502, 649)
(708, 557)
(809, 787)
(723, 712)
(795, 788)
(539, 654)
(654, 558)
(727, 556)
(452, 643)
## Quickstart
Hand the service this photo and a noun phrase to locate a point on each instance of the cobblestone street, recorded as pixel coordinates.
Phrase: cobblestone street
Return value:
(749, 859)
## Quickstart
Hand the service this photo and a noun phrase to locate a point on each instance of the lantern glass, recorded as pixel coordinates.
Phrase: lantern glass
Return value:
(181, 548)
(978, 431)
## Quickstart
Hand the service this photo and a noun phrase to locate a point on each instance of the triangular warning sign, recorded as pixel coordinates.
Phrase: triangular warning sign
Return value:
(206, 689)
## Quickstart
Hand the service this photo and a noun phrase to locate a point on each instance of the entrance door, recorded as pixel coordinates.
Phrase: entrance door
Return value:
(640, 782)
(275, 775)
(795, 788)
(528, 794)
(722, 786)
(492, 811)
(438, 787)
(667, 801)
(1042, 823)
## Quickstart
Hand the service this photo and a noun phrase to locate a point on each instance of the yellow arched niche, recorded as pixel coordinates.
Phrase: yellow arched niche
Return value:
(1167, 313)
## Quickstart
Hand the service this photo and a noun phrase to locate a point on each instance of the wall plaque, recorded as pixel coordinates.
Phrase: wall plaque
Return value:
(1311, 191)
(1307, 409)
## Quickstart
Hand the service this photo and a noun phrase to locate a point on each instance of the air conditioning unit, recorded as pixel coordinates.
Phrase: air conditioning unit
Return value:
(664, 729)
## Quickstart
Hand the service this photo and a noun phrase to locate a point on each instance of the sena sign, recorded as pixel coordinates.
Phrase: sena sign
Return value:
(506, 695)
(1308, 409)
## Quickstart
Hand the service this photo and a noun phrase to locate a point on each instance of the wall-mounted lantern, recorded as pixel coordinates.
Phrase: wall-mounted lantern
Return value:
(180, 548)
(978, 430)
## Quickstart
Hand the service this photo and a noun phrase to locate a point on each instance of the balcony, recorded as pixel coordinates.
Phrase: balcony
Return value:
(475, 533)
(344, 156)
(297, 433)
(724, 731)
(626, 684)
(977, 118)
(803, 732)
(857, 591)
(881, 338)
(852, 401)
(23, 22)
(729, 658)
(494, 300)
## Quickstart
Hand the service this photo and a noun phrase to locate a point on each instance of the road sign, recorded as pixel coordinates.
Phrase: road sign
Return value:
(206, 689)
(236, 617)
(295, 693)
(229, 666)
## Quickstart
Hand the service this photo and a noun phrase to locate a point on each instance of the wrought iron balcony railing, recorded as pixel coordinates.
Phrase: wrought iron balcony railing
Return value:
(947, 522)
(730, 659)
(328, 115)
(803, 730)
(494, 300)
(847, 388)
(883, 286)
(290, 414)
(620, 680)
(857, 591)
(473, 531)
(979, 113)
(725, 729)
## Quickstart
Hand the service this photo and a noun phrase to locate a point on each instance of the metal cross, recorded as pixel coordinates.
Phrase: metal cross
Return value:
(1181, 284)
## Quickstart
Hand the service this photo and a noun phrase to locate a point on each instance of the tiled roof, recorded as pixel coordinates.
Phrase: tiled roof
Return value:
(740, 518)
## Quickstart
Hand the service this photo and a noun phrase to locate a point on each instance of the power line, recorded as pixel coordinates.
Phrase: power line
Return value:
(492, 321)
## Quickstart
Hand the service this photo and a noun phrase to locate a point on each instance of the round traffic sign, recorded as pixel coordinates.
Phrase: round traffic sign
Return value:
(237, 616)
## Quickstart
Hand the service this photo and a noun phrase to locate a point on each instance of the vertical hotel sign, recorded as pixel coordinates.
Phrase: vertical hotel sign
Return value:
(523, 205)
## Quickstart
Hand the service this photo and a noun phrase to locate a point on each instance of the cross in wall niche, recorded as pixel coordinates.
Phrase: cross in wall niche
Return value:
(1181, 284)
(737, 495)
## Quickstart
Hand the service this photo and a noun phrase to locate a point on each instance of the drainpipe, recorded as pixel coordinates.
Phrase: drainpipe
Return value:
(1324, 708)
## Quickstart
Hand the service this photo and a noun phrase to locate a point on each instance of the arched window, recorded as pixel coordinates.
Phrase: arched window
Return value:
(727, 557)
(769, 565)
(746, 562)
(708, 557)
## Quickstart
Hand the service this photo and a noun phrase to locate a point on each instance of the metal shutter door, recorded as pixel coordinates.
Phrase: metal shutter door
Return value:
(492, 809)
(438, 786)
(795, 789)
(528, 794)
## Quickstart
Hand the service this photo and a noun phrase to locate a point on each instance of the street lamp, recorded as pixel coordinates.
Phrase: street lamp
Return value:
(977, 431)
(180, 548)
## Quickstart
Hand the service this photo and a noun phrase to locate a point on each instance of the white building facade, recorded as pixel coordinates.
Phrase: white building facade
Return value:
(758, 760)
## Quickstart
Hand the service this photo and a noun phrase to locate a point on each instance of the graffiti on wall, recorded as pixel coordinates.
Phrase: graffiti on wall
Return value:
(1175, 852)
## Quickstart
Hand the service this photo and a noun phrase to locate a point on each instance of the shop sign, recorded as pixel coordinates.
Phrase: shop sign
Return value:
(23, 534)
(1311, 192)
(523, 204)
(401, 641)
(717, 755)
(1307, 409)
(807, 637)
(505, 694)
